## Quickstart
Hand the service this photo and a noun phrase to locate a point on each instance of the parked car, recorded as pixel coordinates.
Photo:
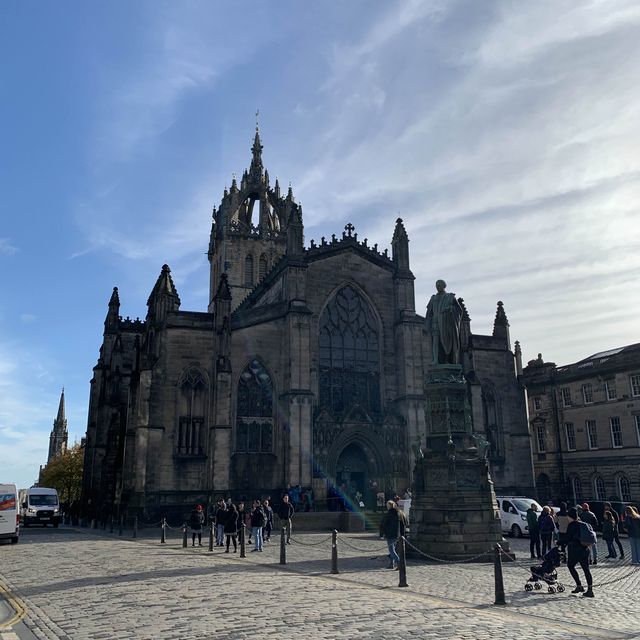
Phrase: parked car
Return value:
(9, 514)
(513, 514)
(597, 507)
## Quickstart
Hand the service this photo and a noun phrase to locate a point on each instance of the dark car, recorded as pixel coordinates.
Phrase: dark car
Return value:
(597, 507)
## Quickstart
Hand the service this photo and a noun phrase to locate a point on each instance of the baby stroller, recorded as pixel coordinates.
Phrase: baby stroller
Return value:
(546, 572)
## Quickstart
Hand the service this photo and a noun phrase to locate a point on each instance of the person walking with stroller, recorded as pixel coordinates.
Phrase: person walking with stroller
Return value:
(577, 554)
(391, 528)
(632, 525)
(196, 520)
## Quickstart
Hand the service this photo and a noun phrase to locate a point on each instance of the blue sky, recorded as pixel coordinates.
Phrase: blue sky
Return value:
(505, 134)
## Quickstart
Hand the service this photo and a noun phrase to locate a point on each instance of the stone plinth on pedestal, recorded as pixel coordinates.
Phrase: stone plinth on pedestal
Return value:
(453, 511)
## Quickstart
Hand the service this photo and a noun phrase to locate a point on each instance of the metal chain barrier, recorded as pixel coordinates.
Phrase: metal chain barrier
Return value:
(346, 543)
(311, 544)
(484, 554)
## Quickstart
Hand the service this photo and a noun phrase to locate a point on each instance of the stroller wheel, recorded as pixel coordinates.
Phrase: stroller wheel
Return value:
(528, 587)
(552, 589)
(560, 588)
(537, 586)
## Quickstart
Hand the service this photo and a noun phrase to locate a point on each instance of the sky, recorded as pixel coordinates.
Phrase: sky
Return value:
(504, 133)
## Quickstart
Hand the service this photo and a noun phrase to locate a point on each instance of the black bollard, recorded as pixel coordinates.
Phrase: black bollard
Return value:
(184, 535)
(283, 548)
(163, 538)
(135, 526)
(243, 528)
(497, 572)
(402, 565)
(111, 524)
(120, 525)
(211, 537)
(334, 552)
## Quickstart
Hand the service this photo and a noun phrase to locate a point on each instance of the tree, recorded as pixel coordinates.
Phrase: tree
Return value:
(64, 473)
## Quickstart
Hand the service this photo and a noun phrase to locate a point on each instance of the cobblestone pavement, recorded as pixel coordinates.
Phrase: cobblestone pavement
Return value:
(87, 584)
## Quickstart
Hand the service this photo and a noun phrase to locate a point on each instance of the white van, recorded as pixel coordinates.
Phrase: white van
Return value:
(9, 514)
(513, 514)
(40, 505)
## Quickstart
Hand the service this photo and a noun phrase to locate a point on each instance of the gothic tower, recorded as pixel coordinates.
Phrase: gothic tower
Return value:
(59, 435)
(249, 230)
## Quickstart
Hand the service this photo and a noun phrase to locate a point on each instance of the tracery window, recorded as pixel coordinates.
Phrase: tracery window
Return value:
(349, 353)
(191, 412)
(262, 267)
(254, 414)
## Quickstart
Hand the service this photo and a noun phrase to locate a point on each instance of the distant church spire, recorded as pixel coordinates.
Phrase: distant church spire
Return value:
(501, 325)
(59, 436)
(256, 151)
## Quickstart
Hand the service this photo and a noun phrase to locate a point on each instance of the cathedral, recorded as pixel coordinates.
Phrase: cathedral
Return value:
(307, 368)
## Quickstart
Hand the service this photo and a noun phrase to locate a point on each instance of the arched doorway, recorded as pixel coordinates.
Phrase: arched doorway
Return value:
(351, 470)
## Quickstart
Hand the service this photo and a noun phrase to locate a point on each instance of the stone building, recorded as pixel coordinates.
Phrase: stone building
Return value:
(585, 425)
(307, 368)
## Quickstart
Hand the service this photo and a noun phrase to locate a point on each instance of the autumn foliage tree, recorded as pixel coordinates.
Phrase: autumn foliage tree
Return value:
(64, 473)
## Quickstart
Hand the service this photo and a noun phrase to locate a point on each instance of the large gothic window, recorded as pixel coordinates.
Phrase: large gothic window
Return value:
(349, 353)
(192, 392)
(254, 415)
(248, 271)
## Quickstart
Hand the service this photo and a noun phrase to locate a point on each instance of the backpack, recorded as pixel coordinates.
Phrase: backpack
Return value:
(586, 535)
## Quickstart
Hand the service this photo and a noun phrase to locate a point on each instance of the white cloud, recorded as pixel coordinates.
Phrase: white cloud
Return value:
(27, 317)
(6, 247)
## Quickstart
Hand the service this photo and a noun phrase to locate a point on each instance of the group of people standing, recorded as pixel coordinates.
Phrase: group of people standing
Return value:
(227, 519)
(564, 527)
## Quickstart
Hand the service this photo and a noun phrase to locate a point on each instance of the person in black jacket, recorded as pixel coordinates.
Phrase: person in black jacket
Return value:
(391, 528)
(268, 527)
(196, 521)
(616, 518)
(221, 514)
(258, 520)
(577, 554)
(285, 513)
(231, 526)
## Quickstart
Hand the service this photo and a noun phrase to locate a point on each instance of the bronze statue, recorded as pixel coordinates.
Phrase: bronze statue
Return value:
(443, 323)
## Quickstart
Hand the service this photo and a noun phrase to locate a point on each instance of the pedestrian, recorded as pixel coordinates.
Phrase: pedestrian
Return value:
(632, 525)
(268, 527)
(616, 517)
(285, 513)
(547, 528)
(590, 518)
(577, 554)
(380, 501)
(609, 532)
(534, 530)
(231, 526)
(196, 521)
(391, 528)
(221, 514)
(257, 522)
(563, 523)
(241, 516)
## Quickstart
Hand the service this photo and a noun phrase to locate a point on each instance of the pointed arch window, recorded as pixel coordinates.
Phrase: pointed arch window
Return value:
(254, 412)
(248, 270)
(262, 267)
(349, 353)
(192, 393)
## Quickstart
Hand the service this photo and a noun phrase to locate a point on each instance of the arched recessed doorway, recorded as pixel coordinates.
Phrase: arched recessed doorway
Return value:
(352, 470)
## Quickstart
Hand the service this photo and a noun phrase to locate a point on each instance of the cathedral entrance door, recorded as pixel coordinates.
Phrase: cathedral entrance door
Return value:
(351, 471)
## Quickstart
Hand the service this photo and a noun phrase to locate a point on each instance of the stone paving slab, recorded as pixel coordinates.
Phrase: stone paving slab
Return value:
(84, 584)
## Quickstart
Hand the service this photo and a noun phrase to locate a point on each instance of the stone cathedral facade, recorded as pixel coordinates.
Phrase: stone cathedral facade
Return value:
(307, 368)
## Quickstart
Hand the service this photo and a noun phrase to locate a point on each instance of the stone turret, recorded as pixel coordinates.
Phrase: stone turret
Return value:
(163, 299)
(501, 325)
(400, 247)
(111, 322)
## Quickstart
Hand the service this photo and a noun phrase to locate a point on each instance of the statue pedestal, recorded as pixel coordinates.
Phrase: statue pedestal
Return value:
(454, 514)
